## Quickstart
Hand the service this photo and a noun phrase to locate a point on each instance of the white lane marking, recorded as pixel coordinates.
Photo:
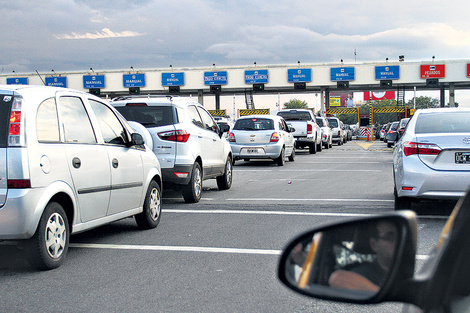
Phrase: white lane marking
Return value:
(311, 200)
(186, 249)
(176, 248)
(330, 170)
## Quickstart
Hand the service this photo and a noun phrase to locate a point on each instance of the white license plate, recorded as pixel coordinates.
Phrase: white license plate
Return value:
(252, 151)
(462, 157)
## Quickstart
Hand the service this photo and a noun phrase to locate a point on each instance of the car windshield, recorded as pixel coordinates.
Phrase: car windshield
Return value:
(254, 124)
(333, 122)
(443, 122)
(394, 126)
(295, 116)
(149, 116)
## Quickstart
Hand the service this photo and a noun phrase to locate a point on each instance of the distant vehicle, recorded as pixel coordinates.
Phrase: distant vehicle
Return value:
(326, 133)
(402, 126)
(262, 137)
(185, 138)
(382, 132)
(70, 163)
(307, 132)
(392, 134)
(432, 159)
(224, 123)
(337, 130)
(387, 127)
(349, 132)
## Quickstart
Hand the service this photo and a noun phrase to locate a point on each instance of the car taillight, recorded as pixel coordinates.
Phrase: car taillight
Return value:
(324, 136)
(410, 148)
(309, 129)
(174, 135)
(274, 137)
(19, 183)
(231, 137)
(15, 129)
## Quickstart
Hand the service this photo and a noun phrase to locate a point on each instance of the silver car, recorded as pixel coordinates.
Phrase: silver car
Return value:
(69, 162)
(432, 158)
(262, 137)
(326, 132)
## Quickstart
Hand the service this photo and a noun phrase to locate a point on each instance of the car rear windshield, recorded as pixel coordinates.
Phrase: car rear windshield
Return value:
(333, 122)
(5, 112)
(254, 124)
(149, 116)
(443, 122)
(320, 122)
(295, 116)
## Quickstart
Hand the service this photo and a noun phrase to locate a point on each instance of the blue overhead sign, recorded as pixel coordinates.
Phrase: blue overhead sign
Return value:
(387, 72)
(342, 73)
(172, 79)
(299, 75)
(57, 81)
(17, 81)
(133, 80)
(256, 77)
(93, 81)
(215, 78)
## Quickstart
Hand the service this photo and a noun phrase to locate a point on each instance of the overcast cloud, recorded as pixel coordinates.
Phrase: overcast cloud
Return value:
(74, 35)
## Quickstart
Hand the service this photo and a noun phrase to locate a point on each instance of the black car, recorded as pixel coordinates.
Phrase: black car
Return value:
(392, 134)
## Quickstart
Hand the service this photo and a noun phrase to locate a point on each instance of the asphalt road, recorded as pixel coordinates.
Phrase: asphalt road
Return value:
(219, 255)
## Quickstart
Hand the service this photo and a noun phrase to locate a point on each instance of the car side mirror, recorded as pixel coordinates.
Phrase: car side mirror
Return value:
(291, 129)
(137, 139)
(361, 261)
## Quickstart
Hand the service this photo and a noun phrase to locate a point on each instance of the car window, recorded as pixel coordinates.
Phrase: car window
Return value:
(149, 116)
(209, 123)
(47, 123)
(112, 130)
(443, 122)
(194, 116)
(75, 122)
(295, 116)
(254, 124)
(333, 122)
(320, 122)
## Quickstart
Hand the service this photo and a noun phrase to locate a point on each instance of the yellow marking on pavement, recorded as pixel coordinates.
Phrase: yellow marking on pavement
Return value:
(365, 145)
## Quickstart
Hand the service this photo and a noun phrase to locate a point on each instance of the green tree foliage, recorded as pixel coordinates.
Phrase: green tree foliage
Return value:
(423, 102)
(295, 104)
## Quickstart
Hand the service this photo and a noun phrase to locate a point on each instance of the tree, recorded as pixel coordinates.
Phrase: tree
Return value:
(295, 104)
(423, 102)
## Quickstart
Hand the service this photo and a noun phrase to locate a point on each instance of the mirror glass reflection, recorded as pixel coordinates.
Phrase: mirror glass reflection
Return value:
(353, 257)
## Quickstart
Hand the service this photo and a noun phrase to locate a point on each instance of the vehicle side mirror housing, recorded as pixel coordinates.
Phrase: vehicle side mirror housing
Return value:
(291, 129)
(137, 139)
(367, 261)
(224, 128)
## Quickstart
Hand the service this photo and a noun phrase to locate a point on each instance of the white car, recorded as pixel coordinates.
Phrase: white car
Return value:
(326, 132)
(69, 163)
(432, 158)
(262, 137)
(337, 130)
(187, 141)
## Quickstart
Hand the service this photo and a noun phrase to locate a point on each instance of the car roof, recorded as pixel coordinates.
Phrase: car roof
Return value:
(154, 100)
(41, 92)
(273, 117)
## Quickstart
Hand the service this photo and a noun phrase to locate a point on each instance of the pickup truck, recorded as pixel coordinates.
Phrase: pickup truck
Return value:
(307, 132)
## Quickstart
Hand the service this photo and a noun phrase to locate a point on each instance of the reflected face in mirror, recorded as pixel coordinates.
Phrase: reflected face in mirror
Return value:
(351, 257)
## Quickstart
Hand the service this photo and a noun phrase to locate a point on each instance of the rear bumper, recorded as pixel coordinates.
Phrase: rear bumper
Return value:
(179, 174)
(264, 151)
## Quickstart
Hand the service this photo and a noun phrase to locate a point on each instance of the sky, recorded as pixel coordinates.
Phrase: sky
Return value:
(75, 35)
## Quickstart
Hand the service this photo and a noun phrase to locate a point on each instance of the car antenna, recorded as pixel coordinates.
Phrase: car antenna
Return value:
(41, 78)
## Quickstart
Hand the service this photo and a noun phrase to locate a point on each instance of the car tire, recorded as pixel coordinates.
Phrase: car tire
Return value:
(152, 212)
(312, 149)
(193, 190)
(47, 248)
(326, 146)
(292, 155)
(319, 147)
(224, 181)
(389, 144)
(401, 203)
(281, 159)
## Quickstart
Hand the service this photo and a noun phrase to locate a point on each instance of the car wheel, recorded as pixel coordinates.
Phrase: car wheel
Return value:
(312, 149)
(401, 203)
(192, 191)
(224, 181)
(48, 246)
(292, 155)
(389, 144)
(150, 216)
(282, 157)
(319, 147)
(326, 146)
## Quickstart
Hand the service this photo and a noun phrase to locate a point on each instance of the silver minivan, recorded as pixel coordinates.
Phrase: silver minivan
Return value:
(69, 162)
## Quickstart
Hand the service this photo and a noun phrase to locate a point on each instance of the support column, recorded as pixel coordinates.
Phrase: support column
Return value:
(451, 95)
(443, 97)
(217, 101)
(200, 96)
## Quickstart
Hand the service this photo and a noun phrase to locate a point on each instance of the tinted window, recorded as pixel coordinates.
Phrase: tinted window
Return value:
(333, 122)
(254, 124)
(75, 121)
(320, 122)
(295, 116)
(207, 119)
(194, 116)
(112, 130)
(47, 123)
(149, 116)
(443, 122)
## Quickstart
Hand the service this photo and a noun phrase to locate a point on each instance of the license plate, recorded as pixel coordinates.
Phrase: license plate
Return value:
(462, 157)
(252, 151)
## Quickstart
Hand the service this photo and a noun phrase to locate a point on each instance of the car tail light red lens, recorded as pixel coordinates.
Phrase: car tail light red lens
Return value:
(231, 137)
(19, 183)
(309, 129)
(174, 135)
(274, 137)
(15, 123)
(410, 148)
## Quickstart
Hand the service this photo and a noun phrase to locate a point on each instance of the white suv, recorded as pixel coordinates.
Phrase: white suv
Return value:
(186, 139)
(69, 162)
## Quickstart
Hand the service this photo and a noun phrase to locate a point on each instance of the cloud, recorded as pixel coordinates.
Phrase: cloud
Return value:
(104, 33)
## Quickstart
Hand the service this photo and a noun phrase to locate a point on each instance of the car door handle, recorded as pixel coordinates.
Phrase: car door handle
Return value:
(76, 162)
(115, 163)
